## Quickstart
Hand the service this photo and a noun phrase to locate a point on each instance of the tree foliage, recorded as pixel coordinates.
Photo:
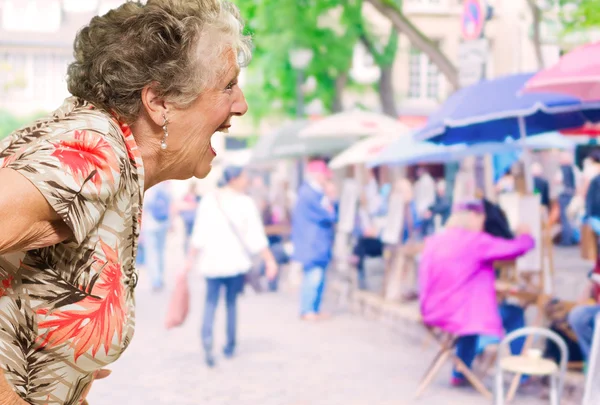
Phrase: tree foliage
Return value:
(580, 14)
(331, 28)
(277, 26)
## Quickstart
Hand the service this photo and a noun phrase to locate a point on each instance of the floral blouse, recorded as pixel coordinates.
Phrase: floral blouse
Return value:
(68, 310)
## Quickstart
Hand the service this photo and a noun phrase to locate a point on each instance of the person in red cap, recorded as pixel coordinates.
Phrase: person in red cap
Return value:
(313, 223)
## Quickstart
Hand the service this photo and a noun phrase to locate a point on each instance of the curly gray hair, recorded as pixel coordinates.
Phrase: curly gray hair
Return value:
(175, 44)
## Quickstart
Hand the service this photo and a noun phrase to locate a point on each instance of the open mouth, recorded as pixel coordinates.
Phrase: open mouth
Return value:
(224, 129)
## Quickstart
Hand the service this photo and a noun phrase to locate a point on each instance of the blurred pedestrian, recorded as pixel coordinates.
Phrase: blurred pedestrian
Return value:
(156, 224)
(440, 209)
(228, 234)
(424, 197)
(187, 211)
(541, 186)
(568, 178)
(278, 230)
(368, 242)
(313, 222)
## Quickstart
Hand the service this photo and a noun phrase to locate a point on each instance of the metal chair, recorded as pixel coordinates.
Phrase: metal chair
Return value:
(531, 365)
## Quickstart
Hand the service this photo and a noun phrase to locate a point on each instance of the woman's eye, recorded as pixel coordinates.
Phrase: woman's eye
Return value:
(231, 85)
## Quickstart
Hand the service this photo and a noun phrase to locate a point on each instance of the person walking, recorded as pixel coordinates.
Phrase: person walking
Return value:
(187, 211)
(156, 223)
(313, 221)
(225, 254)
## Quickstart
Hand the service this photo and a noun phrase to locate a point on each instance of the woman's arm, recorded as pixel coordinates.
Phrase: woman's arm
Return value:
(492, 248)
(27, 220)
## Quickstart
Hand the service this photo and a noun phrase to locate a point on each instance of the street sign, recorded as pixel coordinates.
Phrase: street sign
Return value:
(473, 19)
(472, 61)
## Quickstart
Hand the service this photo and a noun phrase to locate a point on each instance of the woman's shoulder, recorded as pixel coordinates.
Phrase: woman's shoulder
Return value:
(75, 122)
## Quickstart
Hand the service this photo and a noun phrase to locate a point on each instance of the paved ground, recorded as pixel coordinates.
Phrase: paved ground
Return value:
(281, 361)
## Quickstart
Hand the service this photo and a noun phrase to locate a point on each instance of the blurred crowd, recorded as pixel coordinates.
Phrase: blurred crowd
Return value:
(259, 226)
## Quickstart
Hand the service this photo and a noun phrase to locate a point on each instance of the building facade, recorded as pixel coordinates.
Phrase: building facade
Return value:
(419, 87)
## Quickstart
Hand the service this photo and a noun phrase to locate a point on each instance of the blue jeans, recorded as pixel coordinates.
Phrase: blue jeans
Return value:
(583, 320)
(233, 286)
(313, 285)
(566, 232)
(513, 318)
(155, 242)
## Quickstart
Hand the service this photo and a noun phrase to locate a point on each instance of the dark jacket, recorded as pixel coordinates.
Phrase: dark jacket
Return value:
(442, 207)
(592, 198)
(568, 175)
(542, 186)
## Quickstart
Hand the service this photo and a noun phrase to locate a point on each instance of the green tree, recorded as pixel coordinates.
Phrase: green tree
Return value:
(384, 56)
(331, 28)
(278, 26)
(580, 14)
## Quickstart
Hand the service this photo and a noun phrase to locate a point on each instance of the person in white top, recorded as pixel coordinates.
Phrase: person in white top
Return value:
(424, 196)
(227, 234)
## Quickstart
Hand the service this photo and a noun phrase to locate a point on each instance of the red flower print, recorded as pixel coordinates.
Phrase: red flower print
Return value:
(8, 160)
(5, 284)
(129, 141)
(102, 314)
(86, 153)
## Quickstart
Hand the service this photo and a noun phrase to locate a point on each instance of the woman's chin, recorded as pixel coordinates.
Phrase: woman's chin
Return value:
(202, 170)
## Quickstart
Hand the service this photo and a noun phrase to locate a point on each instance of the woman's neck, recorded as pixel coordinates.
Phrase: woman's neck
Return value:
(148, 143)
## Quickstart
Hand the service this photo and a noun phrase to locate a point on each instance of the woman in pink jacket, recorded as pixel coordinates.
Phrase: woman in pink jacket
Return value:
(457, 279)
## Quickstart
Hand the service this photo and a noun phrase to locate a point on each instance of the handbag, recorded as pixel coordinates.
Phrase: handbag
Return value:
(253, 276)
(179, 304)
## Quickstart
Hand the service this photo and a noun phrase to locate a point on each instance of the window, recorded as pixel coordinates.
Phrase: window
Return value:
(424, 77)
(414, 67)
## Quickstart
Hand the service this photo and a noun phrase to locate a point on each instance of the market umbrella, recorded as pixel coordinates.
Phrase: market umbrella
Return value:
(363, 151)
(353, 123)
(551, 140)
(491, 109)
(402, 153)
(576, 74)
(285, 143)
(407, 151)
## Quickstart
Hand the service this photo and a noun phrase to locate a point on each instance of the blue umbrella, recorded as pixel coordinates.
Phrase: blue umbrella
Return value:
(491, 109)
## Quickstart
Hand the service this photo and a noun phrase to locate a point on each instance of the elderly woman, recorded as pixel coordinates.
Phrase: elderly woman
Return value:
(151, 84)
(457, 280)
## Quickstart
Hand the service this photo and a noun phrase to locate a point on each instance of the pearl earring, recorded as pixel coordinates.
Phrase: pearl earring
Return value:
(163, 143)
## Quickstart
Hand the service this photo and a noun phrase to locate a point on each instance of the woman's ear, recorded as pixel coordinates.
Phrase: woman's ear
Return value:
(154, 104)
